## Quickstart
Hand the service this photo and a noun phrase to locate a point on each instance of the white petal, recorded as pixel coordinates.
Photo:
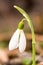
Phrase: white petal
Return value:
(13, 44)
(22, 43)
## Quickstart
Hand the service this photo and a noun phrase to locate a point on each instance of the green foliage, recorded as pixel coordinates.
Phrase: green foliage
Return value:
(26, 61)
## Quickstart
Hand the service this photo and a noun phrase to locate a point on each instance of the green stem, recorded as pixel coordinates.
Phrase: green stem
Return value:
(32, 31)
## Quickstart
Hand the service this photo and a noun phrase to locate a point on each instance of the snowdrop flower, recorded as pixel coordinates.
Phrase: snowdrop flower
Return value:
(18, 39)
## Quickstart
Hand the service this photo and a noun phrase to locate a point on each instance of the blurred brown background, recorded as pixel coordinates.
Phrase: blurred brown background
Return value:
(9, 17)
